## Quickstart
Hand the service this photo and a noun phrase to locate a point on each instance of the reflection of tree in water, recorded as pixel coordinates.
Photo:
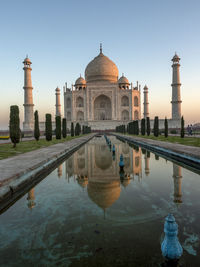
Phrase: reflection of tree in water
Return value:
(82, 180)
(144, 151)
(148, 154)
(103, 159)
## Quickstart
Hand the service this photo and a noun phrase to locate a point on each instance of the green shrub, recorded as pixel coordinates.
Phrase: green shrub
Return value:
(14, 125)
(64, 128)
(143, 126)
(77, 129)
(156, 127)
(72, 129)
(173, 131)
(36, 126)
(166, 128)
(48, 127)
(148, 126)
(182, 127)
(58, 127)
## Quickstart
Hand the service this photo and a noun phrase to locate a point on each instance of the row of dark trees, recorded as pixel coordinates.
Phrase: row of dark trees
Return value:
(60, 131)
(133, 127)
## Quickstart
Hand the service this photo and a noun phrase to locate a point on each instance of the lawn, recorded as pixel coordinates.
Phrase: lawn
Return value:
(188, 141)
(7, 150)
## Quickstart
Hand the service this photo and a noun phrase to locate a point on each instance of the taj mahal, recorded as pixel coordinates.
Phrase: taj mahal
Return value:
(102, 100)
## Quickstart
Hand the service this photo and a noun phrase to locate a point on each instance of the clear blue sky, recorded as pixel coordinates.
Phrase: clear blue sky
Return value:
(62, 36)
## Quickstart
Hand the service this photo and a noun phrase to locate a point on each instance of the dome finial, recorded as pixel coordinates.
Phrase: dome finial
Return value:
(100, 48)
(26, 55)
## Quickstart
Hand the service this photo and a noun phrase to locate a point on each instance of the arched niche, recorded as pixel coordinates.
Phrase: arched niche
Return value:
(68, 116)
(79, 102)
(80, 116)
(68, 102)
(136, 115)
(102, 108)
(125, 115)
(125, 101)
(136, 102)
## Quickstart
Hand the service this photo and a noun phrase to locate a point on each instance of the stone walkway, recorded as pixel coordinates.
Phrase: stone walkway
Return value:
(178, 148)
(16, 170)
(189, 155)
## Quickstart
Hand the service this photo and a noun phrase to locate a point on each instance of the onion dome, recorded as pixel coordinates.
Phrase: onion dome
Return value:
(123, 80)
(101, 68)
(104, 194)
(80, 81)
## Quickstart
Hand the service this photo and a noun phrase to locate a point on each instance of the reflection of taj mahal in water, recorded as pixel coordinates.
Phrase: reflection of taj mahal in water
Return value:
(94, 168)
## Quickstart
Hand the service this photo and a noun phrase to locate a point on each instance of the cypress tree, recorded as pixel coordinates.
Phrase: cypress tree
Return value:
(137, 128)
(166, 127)
(148, 126)
(48, 127)
(14, 126)
(72, 129)
(64, 128)
(58, 127)
(182, 127)
(156, 127)
(36, 126)
(143, 126)
(77, 129)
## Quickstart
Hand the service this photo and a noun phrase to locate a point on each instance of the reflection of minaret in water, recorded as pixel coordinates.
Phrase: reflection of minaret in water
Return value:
(146, 164)
(177, 183)
(60, 170)
(31, 198)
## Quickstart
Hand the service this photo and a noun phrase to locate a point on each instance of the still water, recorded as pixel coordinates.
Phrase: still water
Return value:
(83, 214)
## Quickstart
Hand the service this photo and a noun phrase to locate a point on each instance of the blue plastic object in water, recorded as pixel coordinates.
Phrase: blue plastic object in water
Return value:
(171, 248)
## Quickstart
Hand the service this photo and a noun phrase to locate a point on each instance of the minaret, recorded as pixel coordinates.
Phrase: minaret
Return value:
(58, 105)
(176, 89)
(28, 96)
(177, 183)
(146, 102)
(59, 170)
(31, 198)
(146, 164)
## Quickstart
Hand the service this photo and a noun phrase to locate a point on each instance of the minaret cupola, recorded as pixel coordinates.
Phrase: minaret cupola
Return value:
(123, 82)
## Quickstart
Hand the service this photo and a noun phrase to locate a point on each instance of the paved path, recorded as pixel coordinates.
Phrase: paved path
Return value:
(14, 167)
(178, 148)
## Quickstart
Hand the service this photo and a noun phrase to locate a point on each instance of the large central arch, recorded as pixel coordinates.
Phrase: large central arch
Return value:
(102, 108)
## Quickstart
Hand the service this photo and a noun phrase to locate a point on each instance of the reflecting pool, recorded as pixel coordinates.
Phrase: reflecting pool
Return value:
(86, 213)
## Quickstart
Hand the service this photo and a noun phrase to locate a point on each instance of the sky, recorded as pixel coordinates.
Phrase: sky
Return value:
(62, 36)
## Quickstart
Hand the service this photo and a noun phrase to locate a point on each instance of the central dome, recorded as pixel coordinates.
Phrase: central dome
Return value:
(101, 68)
